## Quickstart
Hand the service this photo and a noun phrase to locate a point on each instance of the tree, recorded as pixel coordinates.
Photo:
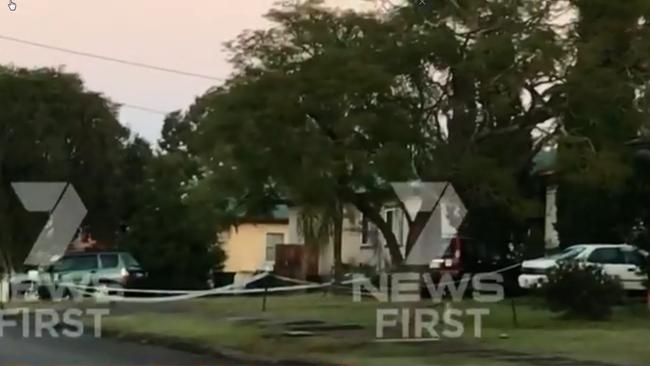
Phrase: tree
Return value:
(53, 129)
(173, 230)
(320, 224)
(606, 107)
(327, 105)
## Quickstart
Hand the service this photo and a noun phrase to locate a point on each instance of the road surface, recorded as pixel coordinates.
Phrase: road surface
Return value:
(89, 351)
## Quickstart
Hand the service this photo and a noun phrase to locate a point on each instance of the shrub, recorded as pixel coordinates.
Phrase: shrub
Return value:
(581, 291)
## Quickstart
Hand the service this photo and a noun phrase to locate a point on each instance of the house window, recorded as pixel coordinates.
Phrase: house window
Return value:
(272, 239)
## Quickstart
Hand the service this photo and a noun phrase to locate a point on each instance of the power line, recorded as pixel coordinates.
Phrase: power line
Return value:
(111, 59)
(144, 109)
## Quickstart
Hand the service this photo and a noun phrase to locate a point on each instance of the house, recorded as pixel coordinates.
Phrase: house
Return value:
(364, 245)
(250, 245)
(544, 166)
(254, 243)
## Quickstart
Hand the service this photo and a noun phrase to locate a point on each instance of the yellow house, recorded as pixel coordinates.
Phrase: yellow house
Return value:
(250, 245)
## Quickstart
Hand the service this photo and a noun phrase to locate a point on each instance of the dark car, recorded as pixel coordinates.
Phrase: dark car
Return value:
(111, 269)
(468, 256)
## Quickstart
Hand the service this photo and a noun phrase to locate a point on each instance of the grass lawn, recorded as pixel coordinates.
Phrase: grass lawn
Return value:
(239, 323)
(620, 340)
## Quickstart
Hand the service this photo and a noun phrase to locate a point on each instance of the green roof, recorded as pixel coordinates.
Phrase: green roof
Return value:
(278, 213)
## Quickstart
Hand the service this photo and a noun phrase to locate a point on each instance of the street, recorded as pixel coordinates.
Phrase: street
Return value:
(89, 351)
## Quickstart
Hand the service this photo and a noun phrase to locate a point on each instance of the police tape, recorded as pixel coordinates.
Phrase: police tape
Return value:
(100, 292)
(150, 291)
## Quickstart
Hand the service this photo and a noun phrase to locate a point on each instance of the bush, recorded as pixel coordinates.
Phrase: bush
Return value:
(581, 291)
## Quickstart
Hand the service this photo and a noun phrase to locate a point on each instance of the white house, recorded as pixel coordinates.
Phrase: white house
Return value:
(363, 243)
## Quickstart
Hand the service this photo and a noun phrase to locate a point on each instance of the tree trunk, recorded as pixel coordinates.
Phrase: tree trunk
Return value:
(374, 216)
(338, 242)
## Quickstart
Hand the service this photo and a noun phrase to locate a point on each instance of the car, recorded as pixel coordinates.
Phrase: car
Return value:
(622, 261)
(113, 270)
(469, 256)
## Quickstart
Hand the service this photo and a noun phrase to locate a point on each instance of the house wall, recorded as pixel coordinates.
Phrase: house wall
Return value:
(351, 249)
(354, 251)
(245, 246)
(374, 252)
(551, 236)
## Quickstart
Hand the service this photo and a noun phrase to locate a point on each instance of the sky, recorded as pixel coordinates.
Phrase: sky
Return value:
(186, 35)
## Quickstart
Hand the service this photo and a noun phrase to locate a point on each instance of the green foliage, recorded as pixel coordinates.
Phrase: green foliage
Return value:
(581, 291)
(604, 109)
(53, 129)
(327, 104)
(173, 229)
(173, 237)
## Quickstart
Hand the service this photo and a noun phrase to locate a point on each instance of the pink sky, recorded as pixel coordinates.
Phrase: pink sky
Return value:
(186, 35)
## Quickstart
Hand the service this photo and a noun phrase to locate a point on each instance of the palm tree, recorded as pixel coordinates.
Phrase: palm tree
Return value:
(319, 223)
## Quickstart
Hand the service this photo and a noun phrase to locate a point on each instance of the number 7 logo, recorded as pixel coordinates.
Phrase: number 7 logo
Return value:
(67, 212)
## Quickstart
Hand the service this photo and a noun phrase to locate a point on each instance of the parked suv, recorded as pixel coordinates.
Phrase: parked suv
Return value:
(113, 270)
(618, 260)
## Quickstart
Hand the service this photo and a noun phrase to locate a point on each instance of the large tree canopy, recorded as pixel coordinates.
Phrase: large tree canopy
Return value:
(53, 129)
(328, 104)
(606, 108)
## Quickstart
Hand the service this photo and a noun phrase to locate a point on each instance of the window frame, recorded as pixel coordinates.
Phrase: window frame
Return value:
(268, 246)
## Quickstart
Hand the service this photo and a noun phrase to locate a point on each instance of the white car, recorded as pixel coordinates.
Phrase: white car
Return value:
(618, 260)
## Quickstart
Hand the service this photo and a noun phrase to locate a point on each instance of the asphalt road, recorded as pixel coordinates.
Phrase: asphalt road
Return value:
(15, 349)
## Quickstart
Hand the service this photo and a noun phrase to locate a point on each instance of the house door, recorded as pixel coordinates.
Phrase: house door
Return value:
(289, 261)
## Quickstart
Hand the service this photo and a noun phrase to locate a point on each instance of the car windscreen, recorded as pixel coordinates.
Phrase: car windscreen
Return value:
(568, 253)
(129, 261)
(76, 263)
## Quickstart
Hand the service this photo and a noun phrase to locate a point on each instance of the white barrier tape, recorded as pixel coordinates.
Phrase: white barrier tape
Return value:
(220, 291)
(329, 283)
(360, 278)
(145, 291)
(229, 290)
(110, 298)
(294, 280)
(276, 289)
